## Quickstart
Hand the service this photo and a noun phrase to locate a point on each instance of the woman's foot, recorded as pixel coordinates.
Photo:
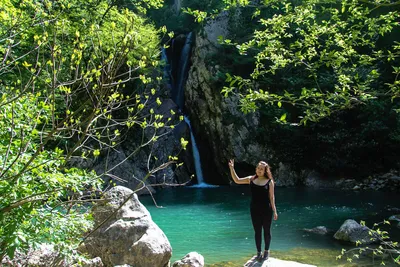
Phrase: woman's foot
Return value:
(259, 257)
(266, 255)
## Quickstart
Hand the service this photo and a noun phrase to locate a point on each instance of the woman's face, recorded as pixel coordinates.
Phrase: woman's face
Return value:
(260, 170)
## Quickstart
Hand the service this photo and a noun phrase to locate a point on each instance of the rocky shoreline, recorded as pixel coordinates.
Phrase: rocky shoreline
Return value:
(389, 182)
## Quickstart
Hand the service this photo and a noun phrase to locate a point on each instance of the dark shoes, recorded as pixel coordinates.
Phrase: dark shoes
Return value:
(259, 257)
(265, 256)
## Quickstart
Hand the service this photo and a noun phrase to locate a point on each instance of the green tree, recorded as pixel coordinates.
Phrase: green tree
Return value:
(74, 79)
(346, 51)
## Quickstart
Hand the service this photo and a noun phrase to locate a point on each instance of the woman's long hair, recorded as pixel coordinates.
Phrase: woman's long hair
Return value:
(267, 172)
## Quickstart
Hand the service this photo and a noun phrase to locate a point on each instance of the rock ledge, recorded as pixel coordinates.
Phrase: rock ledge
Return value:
(272, 262)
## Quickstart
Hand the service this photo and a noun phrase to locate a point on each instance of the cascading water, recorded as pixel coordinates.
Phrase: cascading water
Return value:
(182, 72)
(177, 87)
(196, 155)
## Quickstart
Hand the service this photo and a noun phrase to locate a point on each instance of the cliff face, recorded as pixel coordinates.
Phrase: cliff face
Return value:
(222, 131)
(129, 163)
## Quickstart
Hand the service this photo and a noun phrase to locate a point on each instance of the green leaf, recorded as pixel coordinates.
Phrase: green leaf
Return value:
(283, 117)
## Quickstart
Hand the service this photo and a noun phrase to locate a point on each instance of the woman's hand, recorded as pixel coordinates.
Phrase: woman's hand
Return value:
(275, 216)
(231, 163)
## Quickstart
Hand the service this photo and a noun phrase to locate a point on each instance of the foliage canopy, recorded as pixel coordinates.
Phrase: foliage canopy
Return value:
(349, 50)
(74, 78)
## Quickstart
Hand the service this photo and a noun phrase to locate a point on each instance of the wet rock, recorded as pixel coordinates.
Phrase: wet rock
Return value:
(192, 259)
(320, 230)
(352, 231)
(395, 218)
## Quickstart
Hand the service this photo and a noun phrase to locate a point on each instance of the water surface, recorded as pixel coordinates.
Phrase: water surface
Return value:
(216, 223)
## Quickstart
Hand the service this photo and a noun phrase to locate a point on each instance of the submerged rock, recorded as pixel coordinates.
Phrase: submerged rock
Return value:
(192, 259)
(321, 230)
(130, 236)
(272, 262)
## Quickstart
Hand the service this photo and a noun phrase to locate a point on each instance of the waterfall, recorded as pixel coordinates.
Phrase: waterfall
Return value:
(196, 154)
(182, 72)
(177, 4)
(179, 70)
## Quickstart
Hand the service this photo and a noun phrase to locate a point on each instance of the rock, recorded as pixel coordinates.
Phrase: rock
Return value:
(272, 262)
(217, 27)
(321, 230)
(391, 208)
(129, 236)
(285, 176)
(125, 166)
(192, 259)
(352, 231)
(356, 187)
(95, 262)
(45, 255)
(395, 218)
(221, 129)
(315, 180)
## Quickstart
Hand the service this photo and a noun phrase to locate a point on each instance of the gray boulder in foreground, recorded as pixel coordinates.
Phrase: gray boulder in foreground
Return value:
(130, 236)
(272, 262)
(352, 231)
(192, 259)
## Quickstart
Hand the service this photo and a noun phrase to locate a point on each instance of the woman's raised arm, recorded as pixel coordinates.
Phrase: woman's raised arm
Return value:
(235, 177)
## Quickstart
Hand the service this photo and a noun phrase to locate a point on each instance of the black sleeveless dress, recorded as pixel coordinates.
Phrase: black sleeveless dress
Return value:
(260, 202)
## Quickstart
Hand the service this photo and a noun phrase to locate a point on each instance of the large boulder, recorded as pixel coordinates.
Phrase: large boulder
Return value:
(192, 259)
(129, 236)
(352, 231)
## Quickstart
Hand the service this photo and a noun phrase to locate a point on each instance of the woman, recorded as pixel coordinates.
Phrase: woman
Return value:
(262, 203)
